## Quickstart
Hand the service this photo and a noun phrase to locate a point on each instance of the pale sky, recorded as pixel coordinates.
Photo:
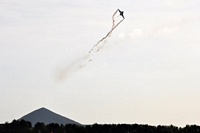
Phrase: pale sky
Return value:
(147, 72)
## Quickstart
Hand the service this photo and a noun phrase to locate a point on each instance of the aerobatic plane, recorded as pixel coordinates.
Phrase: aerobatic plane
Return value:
(121, 13)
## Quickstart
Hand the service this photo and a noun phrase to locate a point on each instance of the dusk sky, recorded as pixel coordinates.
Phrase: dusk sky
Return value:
(146, 72)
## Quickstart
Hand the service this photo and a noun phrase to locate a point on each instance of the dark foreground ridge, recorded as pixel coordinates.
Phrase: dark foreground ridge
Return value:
(47, 116)
(23, 126)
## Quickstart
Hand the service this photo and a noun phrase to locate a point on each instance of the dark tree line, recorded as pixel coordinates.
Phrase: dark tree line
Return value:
(26, 127)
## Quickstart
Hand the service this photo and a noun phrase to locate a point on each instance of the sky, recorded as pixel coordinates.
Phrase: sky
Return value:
(145, 72)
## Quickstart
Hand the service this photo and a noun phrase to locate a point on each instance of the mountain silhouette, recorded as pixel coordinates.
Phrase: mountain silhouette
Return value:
(46, 116)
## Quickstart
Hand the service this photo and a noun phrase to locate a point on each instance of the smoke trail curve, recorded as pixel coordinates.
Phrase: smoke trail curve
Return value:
(113, 27)
(113, 20)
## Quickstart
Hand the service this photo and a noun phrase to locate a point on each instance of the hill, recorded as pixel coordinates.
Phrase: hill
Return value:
(46, 116)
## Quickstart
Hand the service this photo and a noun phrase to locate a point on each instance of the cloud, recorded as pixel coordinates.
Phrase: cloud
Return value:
(176, 3)
(158, 30)
(136, 33)
(121, 36)
(131, 35)
(169, 30)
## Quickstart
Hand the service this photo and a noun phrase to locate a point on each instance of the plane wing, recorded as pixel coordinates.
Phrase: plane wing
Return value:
(123, 16)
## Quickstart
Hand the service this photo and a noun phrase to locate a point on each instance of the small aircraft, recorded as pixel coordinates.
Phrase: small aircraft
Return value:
(121, 13)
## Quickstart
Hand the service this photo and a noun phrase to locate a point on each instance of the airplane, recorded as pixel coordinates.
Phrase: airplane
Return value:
(121, 13)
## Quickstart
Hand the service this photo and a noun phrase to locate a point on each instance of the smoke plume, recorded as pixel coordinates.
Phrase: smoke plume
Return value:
(82, 62)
